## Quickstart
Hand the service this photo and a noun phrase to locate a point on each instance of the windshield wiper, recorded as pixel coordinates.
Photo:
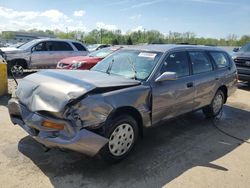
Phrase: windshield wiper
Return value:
(110, 66)
(133, 68)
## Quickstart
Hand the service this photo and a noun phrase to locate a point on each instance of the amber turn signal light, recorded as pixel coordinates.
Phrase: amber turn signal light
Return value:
(53, 125)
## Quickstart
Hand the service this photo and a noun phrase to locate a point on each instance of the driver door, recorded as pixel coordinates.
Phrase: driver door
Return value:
(40, 55)
(173, 97)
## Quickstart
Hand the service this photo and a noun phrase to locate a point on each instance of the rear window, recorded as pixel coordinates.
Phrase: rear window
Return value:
(79, 47)
(220, 59)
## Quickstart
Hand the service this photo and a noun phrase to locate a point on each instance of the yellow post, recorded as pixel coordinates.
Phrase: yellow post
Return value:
(3, 77)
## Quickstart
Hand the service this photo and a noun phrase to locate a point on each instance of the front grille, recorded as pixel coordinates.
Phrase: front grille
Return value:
(243, 62)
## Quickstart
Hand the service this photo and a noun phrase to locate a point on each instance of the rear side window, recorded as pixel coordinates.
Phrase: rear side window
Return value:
(176, 62)
(61, 46)
(79, 47)
(220, 59)
(200, 62)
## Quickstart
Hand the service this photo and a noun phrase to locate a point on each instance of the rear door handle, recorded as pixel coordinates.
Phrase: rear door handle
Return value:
(190, 84)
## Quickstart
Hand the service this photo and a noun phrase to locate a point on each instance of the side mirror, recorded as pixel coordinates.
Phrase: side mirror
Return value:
(166, 76)
(236, 49)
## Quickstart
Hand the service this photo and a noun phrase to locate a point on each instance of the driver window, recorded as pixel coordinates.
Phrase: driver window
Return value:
(176, 62)
(40, 47)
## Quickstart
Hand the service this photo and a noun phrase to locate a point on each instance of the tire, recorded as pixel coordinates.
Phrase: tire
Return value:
(216, 105)
(16, 69)
(122, 134)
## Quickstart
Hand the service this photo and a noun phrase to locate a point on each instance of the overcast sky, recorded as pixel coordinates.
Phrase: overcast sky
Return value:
(207, 18)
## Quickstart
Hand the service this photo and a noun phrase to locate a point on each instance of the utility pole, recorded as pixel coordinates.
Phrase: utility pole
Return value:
(101, 36)
(144, 35)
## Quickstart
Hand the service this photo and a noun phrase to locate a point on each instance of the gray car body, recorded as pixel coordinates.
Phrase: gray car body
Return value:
(41, 59)
(87, 101)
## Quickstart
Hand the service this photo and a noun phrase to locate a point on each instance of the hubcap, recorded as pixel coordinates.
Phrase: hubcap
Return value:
(17, 70)
(217, 104)
(121, 139)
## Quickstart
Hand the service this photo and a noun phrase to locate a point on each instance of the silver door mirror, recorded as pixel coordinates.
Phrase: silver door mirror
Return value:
(166, 76)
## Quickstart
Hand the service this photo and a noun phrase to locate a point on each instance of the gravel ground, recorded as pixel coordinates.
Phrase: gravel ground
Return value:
(184, 152)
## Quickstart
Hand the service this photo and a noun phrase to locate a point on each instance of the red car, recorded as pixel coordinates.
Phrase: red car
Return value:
(86, 62)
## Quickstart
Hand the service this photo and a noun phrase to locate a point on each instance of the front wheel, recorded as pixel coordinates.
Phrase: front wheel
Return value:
(16, 69)
(216, 105)
(122, 134)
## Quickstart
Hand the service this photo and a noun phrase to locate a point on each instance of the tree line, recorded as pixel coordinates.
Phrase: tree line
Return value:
(139, 37)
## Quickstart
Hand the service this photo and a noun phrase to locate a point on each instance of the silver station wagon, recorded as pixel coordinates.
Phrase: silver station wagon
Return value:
(104, 110)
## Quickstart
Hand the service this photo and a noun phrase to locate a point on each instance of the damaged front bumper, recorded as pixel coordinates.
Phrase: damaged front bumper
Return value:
(71, 137)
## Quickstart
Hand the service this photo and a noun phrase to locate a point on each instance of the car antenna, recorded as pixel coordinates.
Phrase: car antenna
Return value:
(14, 78)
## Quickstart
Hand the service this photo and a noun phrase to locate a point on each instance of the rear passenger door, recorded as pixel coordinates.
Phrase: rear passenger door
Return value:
(205, 78)
(173, 97)
(59, 50)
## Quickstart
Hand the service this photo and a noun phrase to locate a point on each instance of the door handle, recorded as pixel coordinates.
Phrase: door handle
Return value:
(190, 84)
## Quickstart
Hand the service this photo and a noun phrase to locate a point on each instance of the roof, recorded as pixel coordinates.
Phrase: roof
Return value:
(167, 47)
(56, 39)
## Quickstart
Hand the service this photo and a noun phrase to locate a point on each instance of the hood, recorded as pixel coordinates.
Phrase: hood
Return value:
(88, 59)
(11, 50)
(51, 90)
(241, 55)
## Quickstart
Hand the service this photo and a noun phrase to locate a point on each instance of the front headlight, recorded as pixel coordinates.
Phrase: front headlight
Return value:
(77, 65)
(234, 57)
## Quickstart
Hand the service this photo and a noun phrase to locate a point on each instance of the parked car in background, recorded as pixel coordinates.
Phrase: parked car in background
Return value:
(241, 58)
(41, 53)
(94, 47)
(86, 62)
(104, 110)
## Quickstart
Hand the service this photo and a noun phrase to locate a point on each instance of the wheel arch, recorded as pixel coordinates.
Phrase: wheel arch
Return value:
(19, 61)
(128, 110)
(224, 89)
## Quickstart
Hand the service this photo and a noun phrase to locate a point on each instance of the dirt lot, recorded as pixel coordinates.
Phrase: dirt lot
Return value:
(184, 152)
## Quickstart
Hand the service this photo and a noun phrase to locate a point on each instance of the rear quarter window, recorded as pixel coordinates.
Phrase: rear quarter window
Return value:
(220, 59)
(79, 47)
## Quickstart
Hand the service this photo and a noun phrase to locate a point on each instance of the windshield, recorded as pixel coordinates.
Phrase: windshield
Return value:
(129, 63)
(27, 45)
(101, 53)
(245, 48)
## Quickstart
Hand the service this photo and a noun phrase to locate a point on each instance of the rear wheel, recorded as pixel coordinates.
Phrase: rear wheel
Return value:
(122, 134)
(216, 105)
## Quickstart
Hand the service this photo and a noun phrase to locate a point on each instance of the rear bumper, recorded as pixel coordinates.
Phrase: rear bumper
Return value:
(83, 141)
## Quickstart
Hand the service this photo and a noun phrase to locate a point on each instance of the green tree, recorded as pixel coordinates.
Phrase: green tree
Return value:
(115, 42)
(7, 35)
(129, 41)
